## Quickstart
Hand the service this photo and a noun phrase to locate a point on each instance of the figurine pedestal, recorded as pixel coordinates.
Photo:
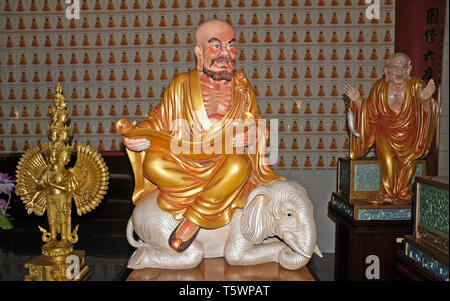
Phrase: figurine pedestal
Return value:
(216, 269)
(367, 235)
(356, 240)
(44, 269)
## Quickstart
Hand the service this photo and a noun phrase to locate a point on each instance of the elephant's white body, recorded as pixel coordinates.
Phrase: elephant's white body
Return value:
(250, 237)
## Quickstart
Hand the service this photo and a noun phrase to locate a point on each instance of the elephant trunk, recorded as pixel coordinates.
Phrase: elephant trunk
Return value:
(295, 246)
(303, 242)
(303, 245)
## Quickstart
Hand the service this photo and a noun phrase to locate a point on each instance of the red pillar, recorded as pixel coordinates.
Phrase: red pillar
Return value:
(419, 32)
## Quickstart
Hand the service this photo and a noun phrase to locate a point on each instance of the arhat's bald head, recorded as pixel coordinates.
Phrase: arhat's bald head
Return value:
(211, 28)
(396, 56)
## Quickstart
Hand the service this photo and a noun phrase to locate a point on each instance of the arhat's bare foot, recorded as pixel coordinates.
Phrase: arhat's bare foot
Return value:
(183, 235)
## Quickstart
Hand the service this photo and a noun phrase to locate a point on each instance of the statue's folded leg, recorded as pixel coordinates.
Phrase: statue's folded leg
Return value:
(177, 185)
(229, 176)
(169, 175)
(198, 193)
(227, 179)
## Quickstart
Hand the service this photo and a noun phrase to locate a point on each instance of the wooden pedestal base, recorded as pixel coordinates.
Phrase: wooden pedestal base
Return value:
(43, 268)
(357, 240)
(216, 269)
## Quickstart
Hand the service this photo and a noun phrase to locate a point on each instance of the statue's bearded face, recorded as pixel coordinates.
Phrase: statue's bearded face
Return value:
(398, 69)
(219, 59)
(216, 54)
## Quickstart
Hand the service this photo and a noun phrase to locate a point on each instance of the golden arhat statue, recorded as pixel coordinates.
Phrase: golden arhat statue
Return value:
(203, 184)
(399, 117)
(45, 184)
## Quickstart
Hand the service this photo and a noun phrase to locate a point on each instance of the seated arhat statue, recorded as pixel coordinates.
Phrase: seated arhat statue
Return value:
(202, 191)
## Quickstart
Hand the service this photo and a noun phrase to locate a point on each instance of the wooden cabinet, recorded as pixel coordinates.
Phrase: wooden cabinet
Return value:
(359, 242)
(367, 235)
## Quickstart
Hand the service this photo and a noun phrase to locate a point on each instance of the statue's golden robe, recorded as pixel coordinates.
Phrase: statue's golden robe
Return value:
(209, 188)
(401, 138)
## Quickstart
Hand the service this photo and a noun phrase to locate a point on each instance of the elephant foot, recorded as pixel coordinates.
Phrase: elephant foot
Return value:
(141, 258)
(183, 235)
(148, 256)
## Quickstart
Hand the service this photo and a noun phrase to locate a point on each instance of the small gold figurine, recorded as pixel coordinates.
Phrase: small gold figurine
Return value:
(45, 184)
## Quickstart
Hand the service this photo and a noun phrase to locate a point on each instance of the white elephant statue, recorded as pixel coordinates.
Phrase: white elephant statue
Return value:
(276, 225)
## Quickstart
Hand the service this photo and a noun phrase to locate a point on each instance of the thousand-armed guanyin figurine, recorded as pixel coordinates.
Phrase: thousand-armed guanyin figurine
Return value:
(45, 184)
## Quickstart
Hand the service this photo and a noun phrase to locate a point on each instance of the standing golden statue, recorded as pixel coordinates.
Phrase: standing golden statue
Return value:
(399, 117)
(45, 184)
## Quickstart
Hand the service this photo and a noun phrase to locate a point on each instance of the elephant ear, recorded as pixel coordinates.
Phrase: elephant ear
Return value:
(252, 227)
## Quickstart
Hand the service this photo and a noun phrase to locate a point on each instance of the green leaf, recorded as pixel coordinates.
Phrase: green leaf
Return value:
(5, 224)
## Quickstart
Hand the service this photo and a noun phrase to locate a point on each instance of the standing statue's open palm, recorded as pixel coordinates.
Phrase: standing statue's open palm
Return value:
(352, 92)
(428, 91)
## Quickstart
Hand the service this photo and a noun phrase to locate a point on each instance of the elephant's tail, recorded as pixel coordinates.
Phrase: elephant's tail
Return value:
(130, 237)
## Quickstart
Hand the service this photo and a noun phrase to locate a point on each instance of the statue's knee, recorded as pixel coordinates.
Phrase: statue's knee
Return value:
(153, 165)
(238, 166)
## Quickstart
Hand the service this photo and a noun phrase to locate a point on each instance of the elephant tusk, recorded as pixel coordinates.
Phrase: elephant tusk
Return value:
(300, 251)
(304, 254)
(317, 251)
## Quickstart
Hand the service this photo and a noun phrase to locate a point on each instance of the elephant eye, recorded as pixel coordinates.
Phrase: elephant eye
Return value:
(288, 214)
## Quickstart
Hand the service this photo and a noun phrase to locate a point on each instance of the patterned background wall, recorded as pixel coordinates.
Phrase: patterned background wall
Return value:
(118, 57)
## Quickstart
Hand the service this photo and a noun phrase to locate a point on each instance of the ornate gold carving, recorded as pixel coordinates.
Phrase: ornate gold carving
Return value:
(45, 184)
(43, 268)
(433, 239)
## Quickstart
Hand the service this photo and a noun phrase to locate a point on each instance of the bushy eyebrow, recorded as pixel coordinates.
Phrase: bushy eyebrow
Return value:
(217, 40)
(213, 40)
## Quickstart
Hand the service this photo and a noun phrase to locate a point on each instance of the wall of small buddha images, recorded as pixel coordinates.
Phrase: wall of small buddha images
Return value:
(116, 60)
